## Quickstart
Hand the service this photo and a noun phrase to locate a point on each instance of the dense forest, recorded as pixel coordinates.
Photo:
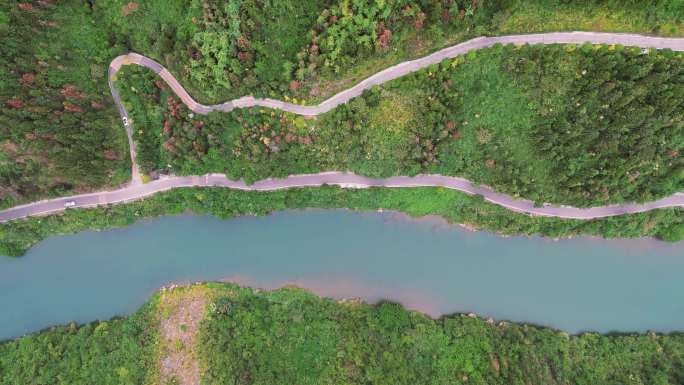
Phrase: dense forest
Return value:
(585, 125)
(17, 237)
(60, 134)
(121, 351)
(293, 337)
(290, 336)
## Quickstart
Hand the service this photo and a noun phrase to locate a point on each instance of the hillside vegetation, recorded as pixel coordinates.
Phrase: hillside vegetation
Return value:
(226, 334)
(121, 351)
(582, 125)
(60, 134)
(293, 337)
(59, 130)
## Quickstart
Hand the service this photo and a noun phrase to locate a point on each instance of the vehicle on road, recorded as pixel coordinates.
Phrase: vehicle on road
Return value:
(125, 121)
(69, 203)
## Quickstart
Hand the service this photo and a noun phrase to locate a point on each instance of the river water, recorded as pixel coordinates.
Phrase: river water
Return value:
(574, 285)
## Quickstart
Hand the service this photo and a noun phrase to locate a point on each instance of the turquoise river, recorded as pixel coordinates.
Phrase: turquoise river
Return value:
(575, 285)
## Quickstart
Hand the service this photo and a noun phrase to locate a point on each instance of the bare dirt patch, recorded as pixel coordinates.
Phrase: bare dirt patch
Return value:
(9, 148)
(110, 154)
(70, 91)
(15, 103)
(129, 8)
(180, 311)
(28, 78)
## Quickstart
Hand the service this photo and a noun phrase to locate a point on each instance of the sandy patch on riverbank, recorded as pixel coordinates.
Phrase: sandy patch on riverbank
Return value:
(181, 311)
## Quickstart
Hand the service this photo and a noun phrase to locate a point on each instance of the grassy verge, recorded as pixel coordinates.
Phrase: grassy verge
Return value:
(17, 237)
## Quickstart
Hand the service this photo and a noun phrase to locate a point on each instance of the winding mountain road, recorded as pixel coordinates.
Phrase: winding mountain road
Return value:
(137, 190)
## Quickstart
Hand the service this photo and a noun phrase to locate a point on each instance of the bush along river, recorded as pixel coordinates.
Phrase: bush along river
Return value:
(581, 284)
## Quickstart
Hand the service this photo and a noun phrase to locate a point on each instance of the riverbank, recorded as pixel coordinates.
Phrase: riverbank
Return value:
(338, 253)
(17, 237)
(224, 333)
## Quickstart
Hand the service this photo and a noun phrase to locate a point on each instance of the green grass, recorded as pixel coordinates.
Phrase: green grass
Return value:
(532, 16)
(496, 117)
(387, 137)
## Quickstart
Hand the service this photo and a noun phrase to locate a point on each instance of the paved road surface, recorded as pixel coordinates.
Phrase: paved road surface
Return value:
(347, 180)
(137, 190)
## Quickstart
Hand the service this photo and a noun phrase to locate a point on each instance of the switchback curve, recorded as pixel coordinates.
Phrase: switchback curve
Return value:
(137, 190)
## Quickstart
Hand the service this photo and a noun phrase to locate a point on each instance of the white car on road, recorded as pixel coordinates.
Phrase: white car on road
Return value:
(125, 121)
(69, 204)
